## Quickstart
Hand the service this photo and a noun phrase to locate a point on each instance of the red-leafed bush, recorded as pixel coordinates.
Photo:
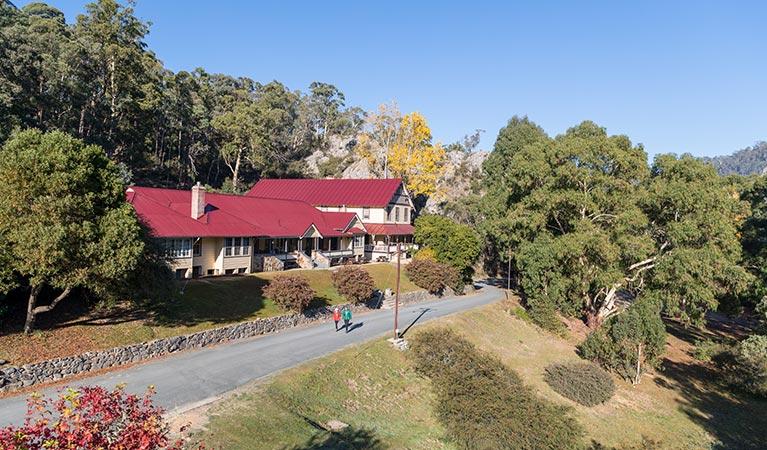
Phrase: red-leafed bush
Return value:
(91, 418)
(291, 292)
(433, 276)
(353, 283)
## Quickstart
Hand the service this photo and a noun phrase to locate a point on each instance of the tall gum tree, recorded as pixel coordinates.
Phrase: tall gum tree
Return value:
(64, 221)
(502, 188)
(591, 219)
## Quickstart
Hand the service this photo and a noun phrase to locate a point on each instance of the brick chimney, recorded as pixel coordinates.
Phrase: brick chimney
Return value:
(198, 201)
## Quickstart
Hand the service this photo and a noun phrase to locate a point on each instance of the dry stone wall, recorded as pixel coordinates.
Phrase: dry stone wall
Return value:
(17, 377)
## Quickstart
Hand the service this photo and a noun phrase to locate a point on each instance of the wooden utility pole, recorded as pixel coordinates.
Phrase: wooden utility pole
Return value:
(396, 295)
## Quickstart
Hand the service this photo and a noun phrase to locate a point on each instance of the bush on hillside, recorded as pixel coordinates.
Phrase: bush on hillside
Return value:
(290, 292)
(581, 382)
(629, 342)
(484, 404)
(353, 283)
(426, 274)
(434, 276)
(745, 365)
(707, 350)
(453, 279)
(546, 316)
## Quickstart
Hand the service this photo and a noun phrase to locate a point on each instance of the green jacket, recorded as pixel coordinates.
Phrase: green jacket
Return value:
(346, 314)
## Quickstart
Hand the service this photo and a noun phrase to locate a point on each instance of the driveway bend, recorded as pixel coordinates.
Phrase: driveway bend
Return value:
(198, 376)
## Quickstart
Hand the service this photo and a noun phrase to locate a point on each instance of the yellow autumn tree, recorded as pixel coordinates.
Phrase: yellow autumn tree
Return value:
(413, 157)
(401, 147)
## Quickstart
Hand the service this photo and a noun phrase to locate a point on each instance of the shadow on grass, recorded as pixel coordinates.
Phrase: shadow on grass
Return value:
(347, 439)
(736, 421)
(718, 328)
(76, 309)
(222, 300)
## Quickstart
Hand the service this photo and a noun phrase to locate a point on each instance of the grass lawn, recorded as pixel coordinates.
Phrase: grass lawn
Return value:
(205, 303)
(372, 388)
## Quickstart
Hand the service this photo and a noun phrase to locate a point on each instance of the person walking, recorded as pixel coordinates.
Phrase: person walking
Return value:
(336, 316)
(346, 314)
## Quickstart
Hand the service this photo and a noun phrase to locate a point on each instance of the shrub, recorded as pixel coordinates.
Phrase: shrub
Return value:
(290, 292)
(707, 350)
(450, 242)
(581, 382)
(434, 276)
(545, 316)
(425, 253)
(426, 274)
(484, 404)
(748, 368)
(353, 283)
(91, 417)
(628, 342)
(452, 278)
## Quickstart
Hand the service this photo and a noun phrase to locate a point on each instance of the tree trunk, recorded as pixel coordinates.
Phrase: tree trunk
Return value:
(33, 310)
(236, 171)
(639, 364)
(30, 322)
(593, 319)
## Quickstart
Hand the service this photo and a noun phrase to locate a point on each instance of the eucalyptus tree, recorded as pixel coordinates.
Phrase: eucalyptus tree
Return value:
(695, 222)
(114, 69)
(577, 218)
(501, 190)
(587, 217)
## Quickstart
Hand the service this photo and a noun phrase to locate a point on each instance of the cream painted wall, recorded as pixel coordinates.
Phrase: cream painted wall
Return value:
(235, 262)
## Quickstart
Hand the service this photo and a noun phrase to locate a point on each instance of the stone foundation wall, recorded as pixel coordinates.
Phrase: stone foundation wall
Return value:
(12, 378)
(272, 264)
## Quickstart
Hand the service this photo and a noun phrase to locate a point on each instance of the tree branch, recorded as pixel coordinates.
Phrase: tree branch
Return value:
(42, 309)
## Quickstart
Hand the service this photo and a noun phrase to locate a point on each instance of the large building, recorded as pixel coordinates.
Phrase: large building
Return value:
(384, 205)
(274, 229)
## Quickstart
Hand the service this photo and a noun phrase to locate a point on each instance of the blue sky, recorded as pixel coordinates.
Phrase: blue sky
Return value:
(677, 76)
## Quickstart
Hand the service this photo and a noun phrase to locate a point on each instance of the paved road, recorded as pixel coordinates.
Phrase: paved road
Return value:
(196, 377)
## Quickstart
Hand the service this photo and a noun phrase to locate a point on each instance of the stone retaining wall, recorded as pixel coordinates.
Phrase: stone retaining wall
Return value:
(12, 378)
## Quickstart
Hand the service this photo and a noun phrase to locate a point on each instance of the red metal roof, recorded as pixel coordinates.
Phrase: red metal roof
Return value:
(167, 213)
(389, 229)
(330, 192)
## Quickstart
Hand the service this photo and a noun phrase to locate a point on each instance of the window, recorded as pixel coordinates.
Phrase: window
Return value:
(365, 213)
(178, 248)
(359, 240)
(396, 214)
(237, 246)
(407, 213)
(388, 213)
(197, 248)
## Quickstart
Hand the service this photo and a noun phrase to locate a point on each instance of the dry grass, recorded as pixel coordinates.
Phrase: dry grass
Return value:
(372, 386)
